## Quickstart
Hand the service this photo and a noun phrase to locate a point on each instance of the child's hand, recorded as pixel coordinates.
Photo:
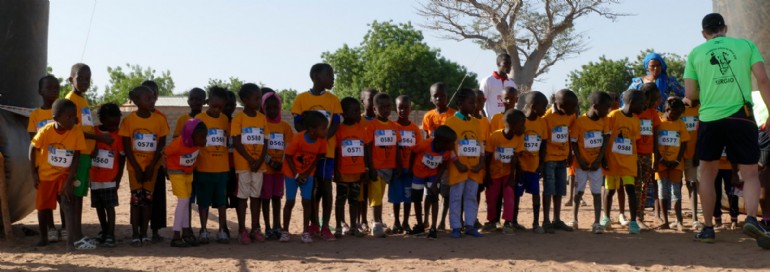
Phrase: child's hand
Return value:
(462, 168)
(477, 168)
(674, 164)
(66, 191)
(604, 165)
(139, 175)
(302, 179)
(594, 166)
(434, 188)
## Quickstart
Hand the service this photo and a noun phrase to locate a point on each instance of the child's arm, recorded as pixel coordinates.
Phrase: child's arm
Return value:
(541, 158)
(370, 162)
(103, 138)
(410, 163)
(512, 177)
(460, 166)
(309, 171)
(128, 149)
(337, 174)
(261, 158)
(155, 157)
(290, 163)
(680, 156)
(66, 190)
(33, 151)
(480, 166)
(298, 123)
(602, 150)
(656, 153)
(334, 126)
(238, 145)
(581, 162)
(441, 169)
(398, 170)
(121, 166)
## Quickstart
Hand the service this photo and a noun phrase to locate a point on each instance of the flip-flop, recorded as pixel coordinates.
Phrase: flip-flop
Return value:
(146, 241)
(136, 242)
(84, 244)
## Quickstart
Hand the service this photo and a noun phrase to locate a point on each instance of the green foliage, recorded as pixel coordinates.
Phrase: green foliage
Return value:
(287, 98)
(121, 82)
(393, 58)
(233, 84)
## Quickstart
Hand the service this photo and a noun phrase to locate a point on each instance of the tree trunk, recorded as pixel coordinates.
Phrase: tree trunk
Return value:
(747, 19)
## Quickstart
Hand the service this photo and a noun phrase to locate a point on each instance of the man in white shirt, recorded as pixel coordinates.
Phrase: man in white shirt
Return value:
(493, 85)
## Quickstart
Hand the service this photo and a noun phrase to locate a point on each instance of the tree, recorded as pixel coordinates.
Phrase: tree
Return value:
(605, 75)
(233, 84)
(393, 58)
(287, 98)
(121, 82)
(536, 34)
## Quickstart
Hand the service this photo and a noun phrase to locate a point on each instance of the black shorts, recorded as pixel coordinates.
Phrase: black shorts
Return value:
(736, 134)
(104, 198)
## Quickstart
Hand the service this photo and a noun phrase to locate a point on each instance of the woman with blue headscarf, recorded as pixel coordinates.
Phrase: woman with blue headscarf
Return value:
(656, 73)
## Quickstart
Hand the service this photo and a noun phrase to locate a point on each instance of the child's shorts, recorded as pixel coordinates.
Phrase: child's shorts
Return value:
(555, 178)
(80, 184)
(614, 182)
(325, 168)
(148, 185)
(181, 185)
(400, 189)
(582, 177)
(306, 189)
(421, 186)
(141, 198)
(272, 186)
(672, 175)
(249, 184)
(210, 189)
(528, 182)
(377, 187)
(669, 190)
(104, 198)
(349, 191)
(48, 192)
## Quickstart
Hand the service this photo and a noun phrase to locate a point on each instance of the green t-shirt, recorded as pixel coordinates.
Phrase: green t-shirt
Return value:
(722, 67)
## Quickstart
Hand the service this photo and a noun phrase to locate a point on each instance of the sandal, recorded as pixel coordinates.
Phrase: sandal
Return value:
(179, 243)
(109, 241)
(136, 242)
(84, 244)
(146, 241)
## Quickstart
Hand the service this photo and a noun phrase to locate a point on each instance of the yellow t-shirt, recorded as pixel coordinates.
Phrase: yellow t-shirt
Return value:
(503, 152)
(279, 137)
(690, 119)
(38, 119)
(558, 135)
(670, 135)
(621, 150)
(214, 158)
(468, 148)
(145, 134)
(535, 132)
(327, 103)
(588, 134)
(85, 117)
(497, 122)
(57, 150)
(253, 132)
(180, 124)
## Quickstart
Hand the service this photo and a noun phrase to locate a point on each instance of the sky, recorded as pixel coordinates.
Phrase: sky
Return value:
(276, 42)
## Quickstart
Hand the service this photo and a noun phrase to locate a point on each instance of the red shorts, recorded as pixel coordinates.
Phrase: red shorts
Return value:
(48, 192)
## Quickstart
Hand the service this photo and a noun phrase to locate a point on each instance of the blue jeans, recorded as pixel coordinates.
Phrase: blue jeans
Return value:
(555, 178)
(463, 193)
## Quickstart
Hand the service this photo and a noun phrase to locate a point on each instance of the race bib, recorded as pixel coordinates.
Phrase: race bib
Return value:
(668, 138)
(275, 141)
(145, 142)
(352, 148)
(384, 137)
(85, 114)
(252, 136)
(691, 122)
(104, 159)
(60, 157)
(188, 159)
(41, 124)
(646, 127)
(504, 154)
(560, 134)
(431, 162)
(532, 143)
(469, 148)
(623, 146)
(407, 138)
(215, 137)
(592, 139)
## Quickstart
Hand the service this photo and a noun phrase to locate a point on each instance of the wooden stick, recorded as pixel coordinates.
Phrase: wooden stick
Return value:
(6, 214)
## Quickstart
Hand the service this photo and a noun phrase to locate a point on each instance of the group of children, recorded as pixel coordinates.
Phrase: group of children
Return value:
(252, 159)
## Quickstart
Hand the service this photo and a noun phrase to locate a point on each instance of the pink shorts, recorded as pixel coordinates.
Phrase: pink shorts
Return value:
(272, 186)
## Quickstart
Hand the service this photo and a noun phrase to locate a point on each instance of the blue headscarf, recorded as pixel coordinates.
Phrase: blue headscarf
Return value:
(662, 80)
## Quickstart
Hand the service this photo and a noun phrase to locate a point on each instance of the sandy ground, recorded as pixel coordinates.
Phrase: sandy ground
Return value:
(615, 250)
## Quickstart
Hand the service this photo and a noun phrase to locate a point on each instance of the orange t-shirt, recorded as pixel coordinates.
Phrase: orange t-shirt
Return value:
(303, 153)
(327, 103)
(384, 137)
(468, 147)
(433, 119)
(350, 145)
(145, 135)
(589, 136)
(106, 162)
(252, 131)
(621, 150)
(535, 132)
(85, 117)
(280, 135)
(690, 119)
(503, 151)
(57, 150)
(38, 119)
(497, 122)
(180, 124)
(558, 139)
(180, 158)
(426, 160)
(214, 158)
(671, 134)
(649, 121)
(410, 138)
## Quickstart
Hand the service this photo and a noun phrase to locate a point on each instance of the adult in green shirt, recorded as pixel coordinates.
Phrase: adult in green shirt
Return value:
(718, 73)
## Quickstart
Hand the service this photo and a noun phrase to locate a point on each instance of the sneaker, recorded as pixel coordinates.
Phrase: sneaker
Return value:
(706, 235)
(379, 230)
(548, 227)
(418, 229)
(306, 238)
(622, 219)
(573, 224)
(734, 226)
(753, 229)
(179, 242)
(432, 234)
(597, 228)
(605, 223)
(338, 233)
(538, 229)
(477, 224)
(222, 237)
(508, 228)
(327, 235)
(63, 235)
(559, 225)
(277, 233)
(518, 226)
(53, 235)
(109, 241)
(397, 229)
(456, 233)
(676, 225)
(203, 236)
(407, 229)
(256, 235)
(697, 226)
(357, 233)
(285, 237)
(365, 227)
(633, 227)
(314, 230)
(244, 238)
(345, 229)
(489, 227)
(473, 232)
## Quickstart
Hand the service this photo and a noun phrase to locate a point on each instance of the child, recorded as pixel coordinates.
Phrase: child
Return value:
(272, 183)
(232, 179)
(106, 171)
(465, 173)
(589, 135)
(158, 218)
(727, 175)
(690, 119)
(432, 120)
(621, 160)
(510, 97)
(650, 121)
(144, 137)
(211, 175)
(428, 161)
(485, 132)
(671, 143)
(249, 130)
(531, 160)
(385, 158)
(302, 155)
(352, 145)
(59, 144)
(558, 121)
(400, 189)
(502, 149)
(367, 98)
(181, 155)
(195, 100)
(319, 98)
(493, 85)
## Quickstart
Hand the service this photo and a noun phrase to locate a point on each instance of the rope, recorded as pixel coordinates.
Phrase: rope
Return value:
(90, 23)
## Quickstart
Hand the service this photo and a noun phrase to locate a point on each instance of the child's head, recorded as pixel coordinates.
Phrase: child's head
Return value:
(466, 101)
(673, 108)
(651, 94)
(601, 102)
(266, 90)
(315, 124)
(690, 103)
(510, 97)
(195, 99)
(615, 97)
(251, 96)
(109, 116)
(403, 107)
(217, 100)
(367, 98)
(271, 104)
(565, 102)
(322, 76)
(535, 103)
(142, 98)
(153, 86)
(444, 139)
(514, 121)
(230, 104)
(438, 95)
(351, 110)
(382, 105)
(480, 100)
(634, 101)
(48, 87)
(64, 114)
(194, 133)
(80, 77)
(504, 63)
